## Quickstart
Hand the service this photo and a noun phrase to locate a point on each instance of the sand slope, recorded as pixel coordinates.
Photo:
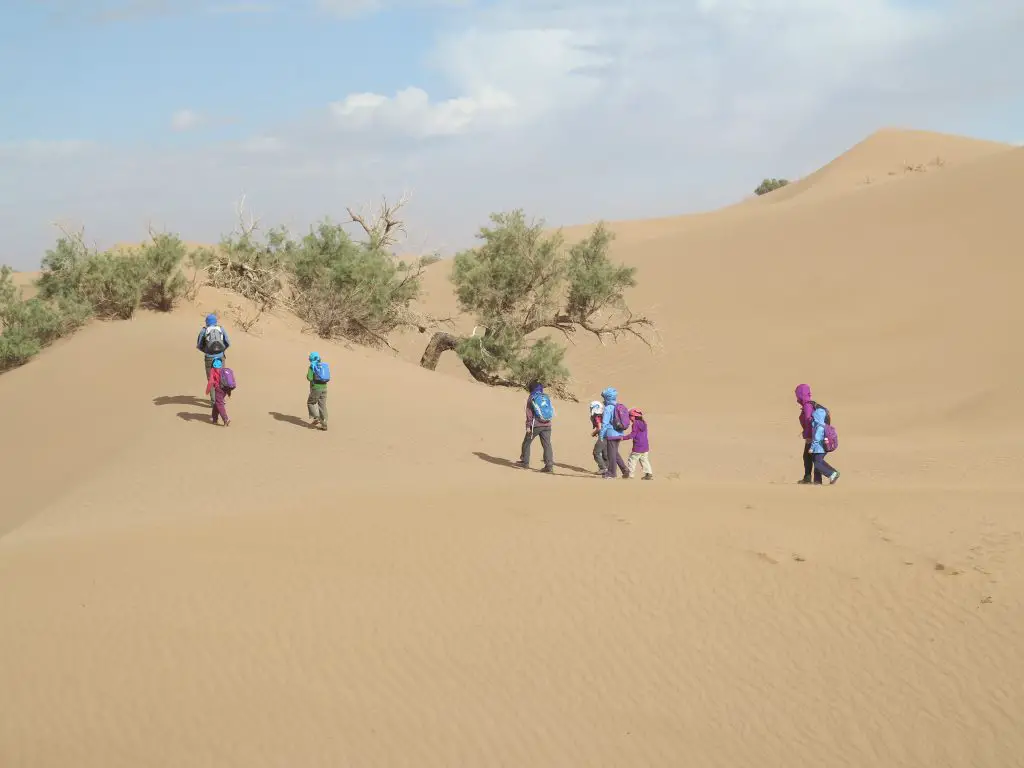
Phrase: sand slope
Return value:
(393, 592)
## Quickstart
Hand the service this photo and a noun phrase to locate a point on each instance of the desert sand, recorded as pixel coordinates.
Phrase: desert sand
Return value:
(394, 593)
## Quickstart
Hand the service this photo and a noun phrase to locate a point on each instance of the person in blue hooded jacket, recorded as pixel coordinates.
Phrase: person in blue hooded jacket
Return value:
(611, 435)
(817, 447)
(213, 343)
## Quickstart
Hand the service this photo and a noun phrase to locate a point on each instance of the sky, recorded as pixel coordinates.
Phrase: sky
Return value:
(117, 116)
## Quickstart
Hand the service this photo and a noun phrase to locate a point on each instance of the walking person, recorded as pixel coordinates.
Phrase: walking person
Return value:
(600, 444)
(539, 414)
(220, 385)
(614, 423)
(641, 452)
(213, 342)
(318, 374)
(824, 441)
(803, 399)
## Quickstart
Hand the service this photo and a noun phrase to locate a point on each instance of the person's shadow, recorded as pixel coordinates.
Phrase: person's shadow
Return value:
(499, 462)
(180, 400)
(192, 416)
(294, 420)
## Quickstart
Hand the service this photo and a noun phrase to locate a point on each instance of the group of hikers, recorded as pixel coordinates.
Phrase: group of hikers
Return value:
(611, 422)
(213, 342)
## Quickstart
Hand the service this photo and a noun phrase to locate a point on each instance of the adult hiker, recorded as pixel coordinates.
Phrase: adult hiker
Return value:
(539, 413)
(213, 343)
(614, 423)
(317, 374)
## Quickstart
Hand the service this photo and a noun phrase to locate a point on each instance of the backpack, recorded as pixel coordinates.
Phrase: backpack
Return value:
(620, 418)
(542, 407)
(321, 372)
(227, 379)
(213, 340)
(831, 439)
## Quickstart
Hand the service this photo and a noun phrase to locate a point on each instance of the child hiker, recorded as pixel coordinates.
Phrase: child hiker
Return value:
(641, 446)
(220, 385)
(823, 441)
(600, 445)
(318, 374)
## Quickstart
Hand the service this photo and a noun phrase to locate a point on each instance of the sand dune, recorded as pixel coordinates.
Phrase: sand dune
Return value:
(393, 592)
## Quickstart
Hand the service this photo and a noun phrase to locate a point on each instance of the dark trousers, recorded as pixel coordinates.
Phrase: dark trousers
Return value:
(219, 406)
(601, 454)
(809, 464)
(822, 467)
(544, 433)
(615, 460)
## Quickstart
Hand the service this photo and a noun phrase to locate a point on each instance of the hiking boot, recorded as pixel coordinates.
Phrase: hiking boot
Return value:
(314, 423)
(834, 479)
(323, 426)
(648, 477)
(548, 470)
(227, 423)
(522, 464)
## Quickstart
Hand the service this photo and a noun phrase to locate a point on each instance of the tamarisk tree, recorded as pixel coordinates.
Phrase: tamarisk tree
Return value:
(520, 281)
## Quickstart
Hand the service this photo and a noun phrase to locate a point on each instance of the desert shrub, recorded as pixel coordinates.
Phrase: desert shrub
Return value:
(111, 284)
(770, 185)
(26, 327)
(252, 266)
(163, 282)
(344, 289)
(520, 281)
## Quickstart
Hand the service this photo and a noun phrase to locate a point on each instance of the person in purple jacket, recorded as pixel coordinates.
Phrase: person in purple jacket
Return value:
(641, 444)
(803, 398)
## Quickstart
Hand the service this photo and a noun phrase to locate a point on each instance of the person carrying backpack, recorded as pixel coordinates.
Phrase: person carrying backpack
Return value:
(318, 374)
(600, 445)
(803, 399)
(213, 343)
(823, 441)
(539, 413)
(220, 385)
(614, 423)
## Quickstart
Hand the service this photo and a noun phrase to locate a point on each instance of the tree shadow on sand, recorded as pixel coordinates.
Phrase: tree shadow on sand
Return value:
(508, 464)
(180, 400)
(294, 420)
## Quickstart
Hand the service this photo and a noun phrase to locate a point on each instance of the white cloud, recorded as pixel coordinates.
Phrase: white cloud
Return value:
(186, 120)
(575, 109)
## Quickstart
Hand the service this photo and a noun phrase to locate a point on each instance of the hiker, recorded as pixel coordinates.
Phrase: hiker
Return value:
(539, 413)
(318, 374)
(220, 385)
(807, 406)
(641, 445)
(212, 342)
(614, 423)
(823, 441)
(600, 445)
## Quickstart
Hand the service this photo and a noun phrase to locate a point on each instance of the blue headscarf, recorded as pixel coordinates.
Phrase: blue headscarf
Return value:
(218, 363)
(211, 319)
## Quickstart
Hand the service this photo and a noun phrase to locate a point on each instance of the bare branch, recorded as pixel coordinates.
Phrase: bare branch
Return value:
(382, 228)
(245, 229)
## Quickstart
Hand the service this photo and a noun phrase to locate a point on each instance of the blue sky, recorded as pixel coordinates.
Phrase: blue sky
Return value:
(121, 114)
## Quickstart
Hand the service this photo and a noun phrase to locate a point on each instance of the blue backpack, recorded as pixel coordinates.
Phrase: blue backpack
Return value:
(542, 407)
(321, 372)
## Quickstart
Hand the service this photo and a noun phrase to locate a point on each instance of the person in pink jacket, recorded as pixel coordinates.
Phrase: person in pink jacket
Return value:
(803, 399)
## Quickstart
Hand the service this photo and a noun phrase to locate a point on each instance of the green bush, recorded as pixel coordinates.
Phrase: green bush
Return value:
(350, 290)
(29, 326)
(770, 185)
(520, 281)
(164, 283)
